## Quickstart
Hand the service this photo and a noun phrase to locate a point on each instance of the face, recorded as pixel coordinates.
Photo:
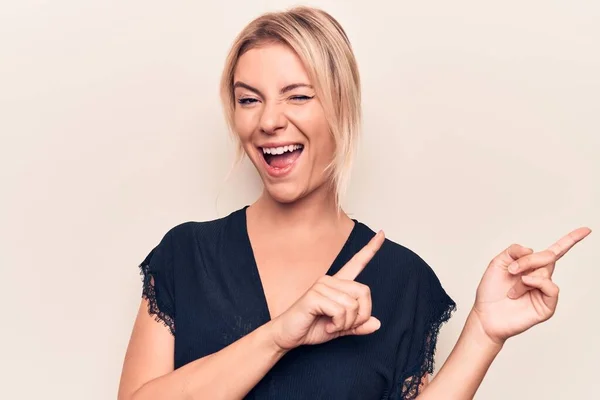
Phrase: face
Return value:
(281, 122)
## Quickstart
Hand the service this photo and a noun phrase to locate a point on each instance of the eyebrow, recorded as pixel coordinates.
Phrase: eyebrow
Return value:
(294, 86)
(282, 91)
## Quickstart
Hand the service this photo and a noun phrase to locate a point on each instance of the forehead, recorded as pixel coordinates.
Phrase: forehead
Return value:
(270, 65)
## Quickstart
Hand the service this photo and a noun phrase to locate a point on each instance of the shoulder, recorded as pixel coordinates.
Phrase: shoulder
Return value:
(400, 256)
(395, 255)
(402, 267)
(200, 231)
(420, 280)
(398, 253)
(188, 243)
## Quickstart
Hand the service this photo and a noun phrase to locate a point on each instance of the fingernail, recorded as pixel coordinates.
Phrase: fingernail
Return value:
(513, 268)
(511, 293)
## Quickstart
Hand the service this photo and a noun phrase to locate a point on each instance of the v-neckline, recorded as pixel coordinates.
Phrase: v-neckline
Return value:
(258, 283)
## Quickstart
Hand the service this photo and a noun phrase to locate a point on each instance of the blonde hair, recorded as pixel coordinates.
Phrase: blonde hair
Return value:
(323, 46)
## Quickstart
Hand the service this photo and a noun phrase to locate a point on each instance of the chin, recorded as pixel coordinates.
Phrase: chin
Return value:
(284, 195)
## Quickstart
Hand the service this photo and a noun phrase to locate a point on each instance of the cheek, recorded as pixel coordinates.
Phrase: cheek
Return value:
(311, 121)
(244, 122)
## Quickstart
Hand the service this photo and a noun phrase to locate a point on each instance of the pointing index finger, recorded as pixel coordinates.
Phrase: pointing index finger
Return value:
(564, 244)
(360, 260)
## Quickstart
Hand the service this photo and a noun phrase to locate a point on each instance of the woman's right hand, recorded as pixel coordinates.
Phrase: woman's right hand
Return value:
(334, 306)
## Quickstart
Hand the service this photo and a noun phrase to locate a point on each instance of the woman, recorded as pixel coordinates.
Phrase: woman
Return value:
(289, 298)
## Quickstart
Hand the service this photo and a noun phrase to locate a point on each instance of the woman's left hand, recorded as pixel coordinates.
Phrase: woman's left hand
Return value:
(510, 301)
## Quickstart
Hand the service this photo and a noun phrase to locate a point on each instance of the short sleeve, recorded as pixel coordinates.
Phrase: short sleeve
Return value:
(158, 282)
(433, 307)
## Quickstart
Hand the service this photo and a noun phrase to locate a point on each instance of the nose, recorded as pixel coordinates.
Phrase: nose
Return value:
(272, 119)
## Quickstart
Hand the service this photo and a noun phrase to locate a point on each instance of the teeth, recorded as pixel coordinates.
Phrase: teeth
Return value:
(281, 149)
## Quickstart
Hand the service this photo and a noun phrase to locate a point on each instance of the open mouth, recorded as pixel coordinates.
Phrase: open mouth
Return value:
(283, 156)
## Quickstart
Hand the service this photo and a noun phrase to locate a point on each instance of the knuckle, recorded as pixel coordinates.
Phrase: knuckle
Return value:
(365, 315)
(313, 296)
(551, 255)
(339, 309)
(362, 261)
(345, 300)
(365, 290)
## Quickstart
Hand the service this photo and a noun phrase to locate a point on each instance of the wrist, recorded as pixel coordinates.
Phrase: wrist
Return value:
(476, 333)
(267, 333)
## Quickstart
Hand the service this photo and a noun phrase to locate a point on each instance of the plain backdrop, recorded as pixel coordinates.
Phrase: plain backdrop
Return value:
(481, 129)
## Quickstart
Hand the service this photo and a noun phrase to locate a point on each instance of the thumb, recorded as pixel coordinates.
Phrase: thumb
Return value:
(370, 326)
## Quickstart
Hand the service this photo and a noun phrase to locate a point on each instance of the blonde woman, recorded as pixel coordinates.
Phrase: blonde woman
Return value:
(289, 298)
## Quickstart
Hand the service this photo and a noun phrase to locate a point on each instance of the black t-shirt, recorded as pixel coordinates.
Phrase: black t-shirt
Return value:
(202, 282)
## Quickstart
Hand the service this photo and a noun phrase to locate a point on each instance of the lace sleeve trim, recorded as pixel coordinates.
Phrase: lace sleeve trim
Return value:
(411, 384)
(149, 293)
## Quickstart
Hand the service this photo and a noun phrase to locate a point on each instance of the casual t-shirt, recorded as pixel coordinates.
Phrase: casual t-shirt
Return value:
(203, 284)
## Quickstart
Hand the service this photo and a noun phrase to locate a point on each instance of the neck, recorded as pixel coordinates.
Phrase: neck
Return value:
(314, 212)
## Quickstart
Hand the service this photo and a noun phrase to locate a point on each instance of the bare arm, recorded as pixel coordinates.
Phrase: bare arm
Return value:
(460, 379)
(516, 292)
(148, 370)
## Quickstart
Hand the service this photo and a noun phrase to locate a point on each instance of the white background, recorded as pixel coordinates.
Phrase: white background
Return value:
(480, 129)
